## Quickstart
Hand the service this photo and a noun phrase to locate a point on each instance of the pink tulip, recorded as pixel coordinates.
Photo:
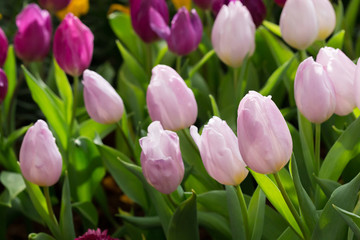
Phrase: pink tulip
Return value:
(264, 139)
(326, 18)
(3, 85)
(161, 159)
(220, 153)
(357, 84)
(3, 47)
(54, 5)
(40, 159)
(102, 102)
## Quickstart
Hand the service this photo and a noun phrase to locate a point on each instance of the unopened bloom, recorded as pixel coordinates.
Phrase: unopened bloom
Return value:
(3, 47)
(33, 37)
(314, 91)
(264, 139)
(54, 5)
(161, 159)
(40, 159)
(96, 235)
(326, 17)
(357, 84)
(73, 45)
(169, 100)
(341, 71)
(141, 17)
(231, 40)
(185, 33)
(3, 85)
(220, 153)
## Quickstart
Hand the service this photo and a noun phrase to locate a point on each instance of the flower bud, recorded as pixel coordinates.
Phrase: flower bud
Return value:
(141, 19)
(341, 71)
(357, 84)
(33, 37)
(185, 33)
(40, 159)
(220, 153)
(314, 91)
(102, 102)
(169, 100)
(264, 139)
(54, 5)
(161, 159)
(73, 45)
(298, 23)
(232, 41)
(326, 18)
(3, 47)
(204, 4)
(3, 85)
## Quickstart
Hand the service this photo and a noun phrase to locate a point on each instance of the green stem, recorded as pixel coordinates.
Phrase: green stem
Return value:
(204, 59)
(303, 55)
(235, 78)
(244, 212)
(73, 116)
(149, 58)
(129, 144)
(178, 64)
(189, 138)
(317, 147)
(49, 206)
(295, 214)
(1, 127)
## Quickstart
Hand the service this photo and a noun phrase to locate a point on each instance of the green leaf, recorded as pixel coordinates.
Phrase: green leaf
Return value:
(15, 135)
(351, 219)
(10, 70)
(183, 224)
(351, 15)
(142, 222)
(88, 211)
(90, 128)
(328, 186)
(274, 28)
(235, 214)
(214, 106)
(40, 236)
(288, 234)
(256, 212)
(337, 41)
(213, 201)
(215, 224)
(66, 217)
(330, 224)
(14, 185)
(202, 61)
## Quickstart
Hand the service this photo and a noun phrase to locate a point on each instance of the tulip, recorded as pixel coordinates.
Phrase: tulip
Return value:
(3, 85)
(32, 39)
(298, 23)
(161, 159)
(326, 18)
(3, 47)
(169, 100)
(204, 4)
(281, 3)
(314, 91)
(102, 102)
(341, 71)
(73, 45)
(141, 17)
(264, 138)
(185, 33)
(357, 84)
(54, 5)
(232, 41)
(40, 159)
(220, 152)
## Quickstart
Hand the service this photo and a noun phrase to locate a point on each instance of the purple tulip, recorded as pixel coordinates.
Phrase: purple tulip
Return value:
(3, 47)
(73, 45)
(281, 3)
(102, 102)
(169, 100)
(161, 159)
(96, 235)
(264, 139)
(314, 91)
(40, 159)
(185, 33)
(204, 4)
(220, 153)
(54, 5)
(341, 71)
(141, 17)
(33, 37)
(3, 85)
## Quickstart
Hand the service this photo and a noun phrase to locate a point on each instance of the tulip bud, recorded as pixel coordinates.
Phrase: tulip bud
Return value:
(102, 102)
(220, 152)
(204, 4)
(314, 91)
(141, 17)
(40, 159)
(169, 100)
(54, 5)
(32, 39)
(161, 159)
(3, 47)
(183, 24)
(281, 3)
(298, 23)
(264, 139)
(357, 84)
(341, 71)
(73, 45)
(232, 41)
(326, 18)
(3, 85)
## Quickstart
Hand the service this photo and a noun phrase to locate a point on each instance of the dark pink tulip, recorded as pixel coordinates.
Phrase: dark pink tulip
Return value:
(3, 47)
(185, 33)
(204, 4)
(3, 85)
(32, 40)
(73, 45)
(54, 5)
(141, 19)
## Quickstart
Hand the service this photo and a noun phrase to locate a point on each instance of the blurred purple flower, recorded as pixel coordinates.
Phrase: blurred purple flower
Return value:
(3, 85)
(54, 5)
(95, 235)
(3, 47)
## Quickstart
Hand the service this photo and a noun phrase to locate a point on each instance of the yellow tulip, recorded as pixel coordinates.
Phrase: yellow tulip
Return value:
(76, 7)
(180, 3)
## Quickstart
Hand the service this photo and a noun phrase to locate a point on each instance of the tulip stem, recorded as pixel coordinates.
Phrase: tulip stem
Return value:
(189, 138)
(73, 116)
(303, 229)
(178, 64)
(149, 58)
(235, 78)
(244, 212)
(317, 147)
(129, 144)
(49, 206)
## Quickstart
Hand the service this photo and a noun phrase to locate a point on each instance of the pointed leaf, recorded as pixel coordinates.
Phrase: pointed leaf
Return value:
(88, 211)
(66, 217)
(351, 219)
(235, 214)
(256, 214)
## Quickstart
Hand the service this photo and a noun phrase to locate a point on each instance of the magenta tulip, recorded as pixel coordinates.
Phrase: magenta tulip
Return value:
(161, 159)
(3, 85)
(33, 37)
(40, 159)
(3, 47)
(54, 5)
(73, 45)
